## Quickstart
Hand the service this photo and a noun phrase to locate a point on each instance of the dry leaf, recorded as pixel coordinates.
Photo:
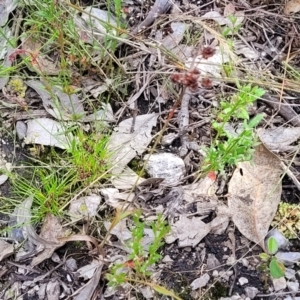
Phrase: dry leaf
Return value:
(57, 103)
(6, 7)
(84, 208)
(254, 194)
(130, 138)
(87, 291)
(47, 132)
(189, 232)
(6, 249)
(292, 6)
(50, 232)
(279, 138)
(39, 62)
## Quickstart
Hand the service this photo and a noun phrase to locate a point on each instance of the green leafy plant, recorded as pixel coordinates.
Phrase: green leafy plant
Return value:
(270, 262)
(53, 177)
(137, 267)
(230, 147)
(232, 28)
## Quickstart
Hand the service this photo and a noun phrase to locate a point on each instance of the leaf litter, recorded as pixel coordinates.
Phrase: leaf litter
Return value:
(195, 211)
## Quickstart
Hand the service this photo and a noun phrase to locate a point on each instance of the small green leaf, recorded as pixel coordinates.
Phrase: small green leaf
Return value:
(162, 290)
(255, 121)
(277, 268)
(264, 256)
(272, 245)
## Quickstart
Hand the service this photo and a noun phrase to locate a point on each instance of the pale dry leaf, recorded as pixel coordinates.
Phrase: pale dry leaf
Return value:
(279, 138)
(84, 208)
(88, 290)
(127, 179)
(94, 24)
(53, 290)
(48, 132)
(129, 139)
(242, 49)
(6, 249)
(173, 39)
(50, 232)
(6, 7)
(116, 199)
(211, 66)
(254, 194)
(291, 7)
(189, 232)
(6, 51)
(39, 62)
(229, 9)
(3, 179)
(87, 272)
(216, 16)
(120, 230)
(105, 114)
(57, 103)
(205, 187)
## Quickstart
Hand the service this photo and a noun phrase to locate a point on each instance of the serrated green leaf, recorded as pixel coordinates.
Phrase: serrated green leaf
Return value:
(277, 268)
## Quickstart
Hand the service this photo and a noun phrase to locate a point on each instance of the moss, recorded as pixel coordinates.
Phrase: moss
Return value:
(287, 220)
(18, 87)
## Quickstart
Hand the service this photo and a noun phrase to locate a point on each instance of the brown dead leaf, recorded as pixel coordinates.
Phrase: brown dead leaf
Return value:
(39, 62)
(6, 249)
(50, 232)
(292, 6)
(254, 194)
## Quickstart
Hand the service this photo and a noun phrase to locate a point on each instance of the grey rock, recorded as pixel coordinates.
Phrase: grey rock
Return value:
(293, 286)
(290, 274)
(279, 284)
(288, 258)
(167, 166)
(71, 264)
(212, 262)
(251, 292)
(200, 282)
(243, 280)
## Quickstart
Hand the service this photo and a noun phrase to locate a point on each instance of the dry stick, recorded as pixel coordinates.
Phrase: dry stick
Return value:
(284, 110)
(159, 8)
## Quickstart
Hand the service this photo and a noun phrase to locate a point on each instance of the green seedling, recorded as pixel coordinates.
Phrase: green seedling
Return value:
(139, 261)
(270, 262)
(233, 28)
(229, 148)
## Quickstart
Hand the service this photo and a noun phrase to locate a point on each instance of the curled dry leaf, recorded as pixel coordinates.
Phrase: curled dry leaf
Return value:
(50, 232)
(254, 194)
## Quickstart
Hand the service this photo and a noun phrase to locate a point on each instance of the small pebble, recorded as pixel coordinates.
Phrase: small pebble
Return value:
(293, 286)
(251, 292)
(243, 280)
(279, 284)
